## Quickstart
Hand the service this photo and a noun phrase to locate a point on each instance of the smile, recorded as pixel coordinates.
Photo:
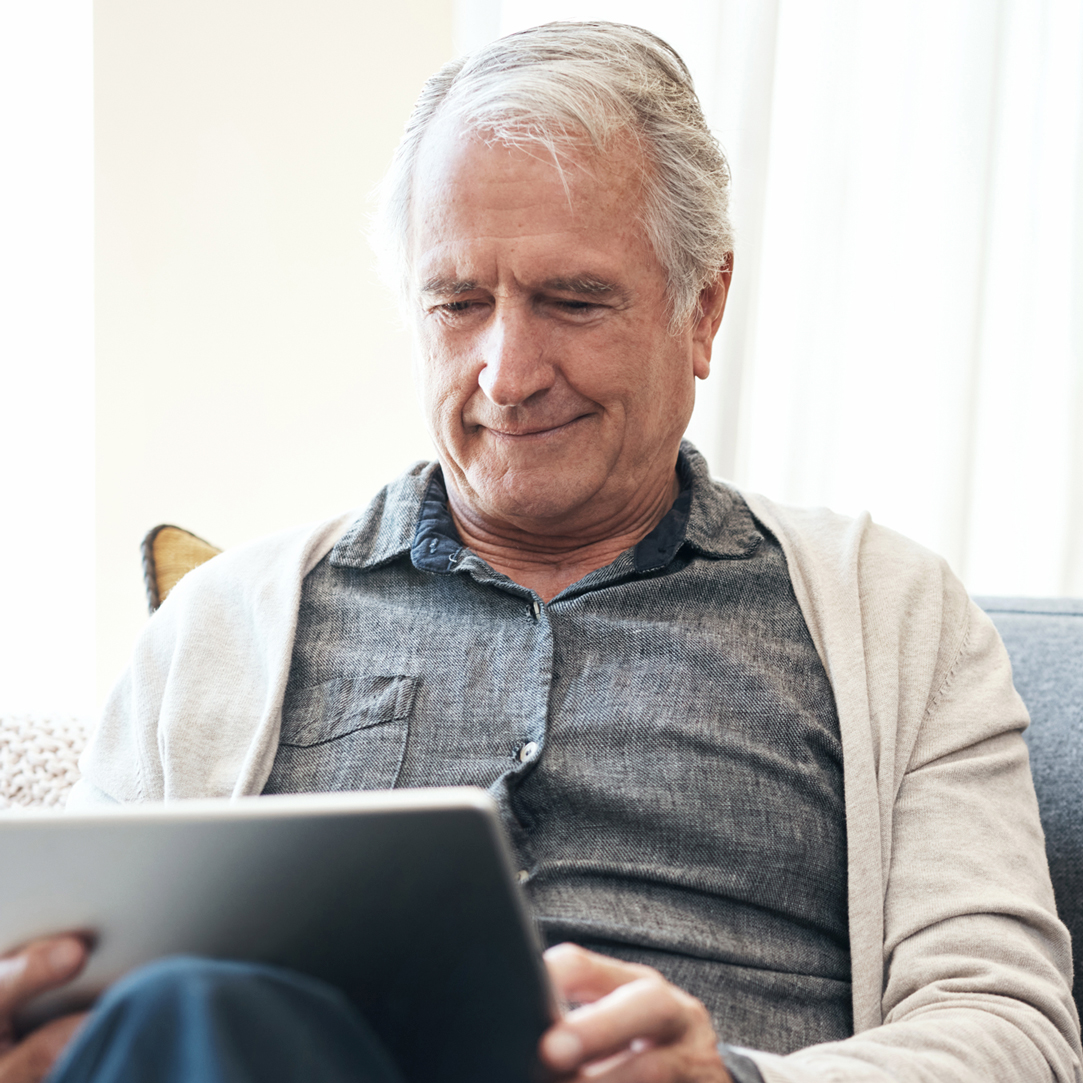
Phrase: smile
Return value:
(538, 432)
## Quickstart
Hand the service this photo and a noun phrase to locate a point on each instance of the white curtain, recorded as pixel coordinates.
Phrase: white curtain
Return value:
(905, 332)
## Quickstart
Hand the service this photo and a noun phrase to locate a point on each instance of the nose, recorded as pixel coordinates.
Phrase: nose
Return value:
(515, 363)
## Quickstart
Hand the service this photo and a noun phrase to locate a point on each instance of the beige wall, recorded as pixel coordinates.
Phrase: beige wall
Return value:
(251, 371)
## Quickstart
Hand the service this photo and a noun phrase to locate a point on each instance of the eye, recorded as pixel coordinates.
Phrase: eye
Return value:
(453, 310)
(576, 309)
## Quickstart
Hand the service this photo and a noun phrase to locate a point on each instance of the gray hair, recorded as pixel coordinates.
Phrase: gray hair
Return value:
(565, 84)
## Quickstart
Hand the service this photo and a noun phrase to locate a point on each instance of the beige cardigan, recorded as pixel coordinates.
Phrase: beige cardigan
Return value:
(961, 969)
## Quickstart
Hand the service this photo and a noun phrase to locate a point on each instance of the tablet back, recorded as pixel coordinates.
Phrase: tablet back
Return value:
(403, 899)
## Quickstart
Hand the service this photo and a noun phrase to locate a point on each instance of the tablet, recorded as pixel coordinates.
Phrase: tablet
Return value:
(404, 899)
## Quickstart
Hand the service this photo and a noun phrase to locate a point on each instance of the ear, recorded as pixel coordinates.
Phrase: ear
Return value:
(712, 303)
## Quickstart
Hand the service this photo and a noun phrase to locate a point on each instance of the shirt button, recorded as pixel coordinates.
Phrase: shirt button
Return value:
(528, 751)
(537, 609)
(522, 876)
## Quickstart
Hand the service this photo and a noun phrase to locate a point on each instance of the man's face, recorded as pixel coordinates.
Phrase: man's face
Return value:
(554, 391)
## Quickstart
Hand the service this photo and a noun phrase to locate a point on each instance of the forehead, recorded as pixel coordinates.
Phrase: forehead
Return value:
(476, 204)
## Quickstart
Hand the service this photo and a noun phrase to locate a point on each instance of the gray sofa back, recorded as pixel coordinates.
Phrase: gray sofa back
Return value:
(1044, 638)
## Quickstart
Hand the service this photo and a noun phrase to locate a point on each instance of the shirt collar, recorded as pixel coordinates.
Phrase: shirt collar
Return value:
(411, 516)
(386, 528)
(720, 524)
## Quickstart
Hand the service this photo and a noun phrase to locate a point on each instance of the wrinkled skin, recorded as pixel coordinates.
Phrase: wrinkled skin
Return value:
(554, 390)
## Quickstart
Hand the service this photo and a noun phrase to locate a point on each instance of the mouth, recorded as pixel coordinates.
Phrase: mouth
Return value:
(535, 432)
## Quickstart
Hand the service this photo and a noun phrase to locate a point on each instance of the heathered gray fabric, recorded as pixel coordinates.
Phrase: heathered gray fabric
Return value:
(1044, 638)
(684, 807)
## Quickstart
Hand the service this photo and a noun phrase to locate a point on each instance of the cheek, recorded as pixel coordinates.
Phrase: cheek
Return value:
(637, 369)
(444, 384)
(660, 399)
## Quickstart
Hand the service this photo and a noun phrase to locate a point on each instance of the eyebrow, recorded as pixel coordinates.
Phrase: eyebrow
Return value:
(448, 286)
(584, 285)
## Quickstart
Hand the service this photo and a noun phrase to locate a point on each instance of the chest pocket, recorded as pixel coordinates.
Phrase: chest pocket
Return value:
(348, 733)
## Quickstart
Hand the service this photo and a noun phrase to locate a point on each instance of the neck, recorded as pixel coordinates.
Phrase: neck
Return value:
(546, 560)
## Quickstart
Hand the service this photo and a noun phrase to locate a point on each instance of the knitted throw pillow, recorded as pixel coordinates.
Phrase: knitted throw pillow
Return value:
(38, 759)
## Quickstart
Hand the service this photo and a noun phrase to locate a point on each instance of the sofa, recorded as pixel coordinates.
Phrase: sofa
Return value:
(1044, 638)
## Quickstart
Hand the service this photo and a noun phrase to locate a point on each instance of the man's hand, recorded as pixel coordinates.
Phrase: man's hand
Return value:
(42, 965)
(632, 1025)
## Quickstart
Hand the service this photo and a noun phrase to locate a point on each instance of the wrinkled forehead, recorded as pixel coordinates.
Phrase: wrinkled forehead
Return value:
(458, 166)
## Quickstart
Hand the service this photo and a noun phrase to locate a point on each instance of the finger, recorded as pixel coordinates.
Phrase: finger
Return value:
(648, 1010)
(33, 1058)
(581, 976)
(33, 969)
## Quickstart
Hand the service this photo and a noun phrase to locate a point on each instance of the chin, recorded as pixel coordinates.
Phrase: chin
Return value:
(552, 496)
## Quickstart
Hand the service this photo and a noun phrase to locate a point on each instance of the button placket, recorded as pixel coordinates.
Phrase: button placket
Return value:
(533, 724)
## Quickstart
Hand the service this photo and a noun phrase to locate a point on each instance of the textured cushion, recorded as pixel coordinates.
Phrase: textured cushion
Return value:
(1045, 642)
(38, 759)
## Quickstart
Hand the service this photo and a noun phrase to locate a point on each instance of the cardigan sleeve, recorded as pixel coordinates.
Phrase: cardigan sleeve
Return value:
(975, 965)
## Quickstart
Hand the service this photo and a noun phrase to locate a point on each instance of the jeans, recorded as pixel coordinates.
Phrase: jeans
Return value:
(188, 1020)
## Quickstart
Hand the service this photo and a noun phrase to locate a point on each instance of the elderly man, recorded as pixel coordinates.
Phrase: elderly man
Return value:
(762, 766)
